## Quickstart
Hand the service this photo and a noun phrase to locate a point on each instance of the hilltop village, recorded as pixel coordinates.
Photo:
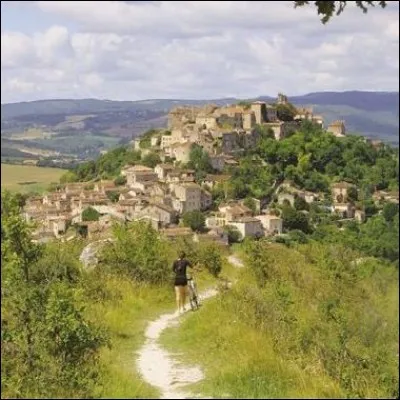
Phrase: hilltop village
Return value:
(165, 194)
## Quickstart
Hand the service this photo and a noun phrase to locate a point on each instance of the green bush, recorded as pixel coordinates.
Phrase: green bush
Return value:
(139, 252)
(90, 214)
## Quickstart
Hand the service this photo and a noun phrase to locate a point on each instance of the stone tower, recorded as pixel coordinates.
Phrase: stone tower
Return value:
(259, 109)
(282, 99)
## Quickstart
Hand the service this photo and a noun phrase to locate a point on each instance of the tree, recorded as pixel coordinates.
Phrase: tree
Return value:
(199, 160)
(389, 211)
(234, 236)
(48, 348)
(250, 203)
(264, 132)
(151, 160)
(120, 180)
(286, 112)
(90, 214)
(352, 194)
(138, 252)
(194, 220)
(210, 257)
(328, 8)
(68, 177)
(113, 196)
(300, 204)
(293, 219)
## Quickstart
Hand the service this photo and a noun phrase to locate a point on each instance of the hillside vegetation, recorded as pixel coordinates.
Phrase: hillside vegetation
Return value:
(305, 322)
(69, 332)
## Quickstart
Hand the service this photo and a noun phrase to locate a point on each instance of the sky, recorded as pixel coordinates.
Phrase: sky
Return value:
(136, 50)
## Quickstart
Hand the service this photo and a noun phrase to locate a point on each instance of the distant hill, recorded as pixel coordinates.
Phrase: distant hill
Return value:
(373, 114)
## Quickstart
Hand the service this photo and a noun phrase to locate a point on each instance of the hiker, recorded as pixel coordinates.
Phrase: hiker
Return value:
(179, 267)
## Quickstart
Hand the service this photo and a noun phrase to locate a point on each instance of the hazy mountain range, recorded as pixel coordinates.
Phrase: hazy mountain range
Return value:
(89, 125)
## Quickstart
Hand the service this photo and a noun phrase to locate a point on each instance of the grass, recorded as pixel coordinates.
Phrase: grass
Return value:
(278, 342)
(126, 318)
(27, 178)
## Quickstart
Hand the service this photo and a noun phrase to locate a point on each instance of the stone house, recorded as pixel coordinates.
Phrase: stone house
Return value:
(229, 141)
(381, 195)
(217, 162)
(271, 113)
(163, 214)
(248, 226)
(249, 120)
(272, 224)
(309, 197)
(35, 202)
(181, 152)
(133, 207)
(158, 189)
(337, 128)
(231, 212)
(135, 143)
(340, 191)
(286, 198)
(187, 197)
(212, 222)
(155, 141)
(144, 187)
(345, 210)
(63, 205)
(249, 139)
(104, 186)
(209, 121)
(282, 129)
(277, 128)
(205, 199)
(162, 170)
(56, 224)
(260, 111)
(230, 121)
(51, 198)
(129, 194)
(140, 174)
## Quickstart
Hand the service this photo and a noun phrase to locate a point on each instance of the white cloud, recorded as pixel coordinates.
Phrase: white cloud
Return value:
(136, 50)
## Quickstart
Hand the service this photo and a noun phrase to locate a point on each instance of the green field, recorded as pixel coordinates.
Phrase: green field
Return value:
(26, 178)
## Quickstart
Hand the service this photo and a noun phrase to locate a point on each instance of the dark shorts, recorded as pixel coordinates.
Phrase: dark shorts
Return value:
(180, 281)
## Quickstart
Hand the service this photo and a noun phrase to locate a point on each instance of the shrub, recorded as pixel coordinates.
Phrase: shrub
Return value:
(90, 214)
(139, 252)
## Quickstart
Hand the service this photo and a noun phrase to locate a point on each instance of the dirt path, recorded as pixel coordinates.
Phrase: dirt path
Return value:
(158, 367)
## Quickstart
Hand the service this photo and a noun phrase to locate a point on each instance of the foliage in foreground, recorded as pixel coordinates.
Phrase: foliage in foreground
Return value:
(305, 323)
(48, 346)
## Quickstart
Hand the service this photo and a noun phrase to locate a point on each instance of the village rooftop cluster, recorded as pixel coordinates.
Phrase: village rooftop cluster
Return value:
(162, 195)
